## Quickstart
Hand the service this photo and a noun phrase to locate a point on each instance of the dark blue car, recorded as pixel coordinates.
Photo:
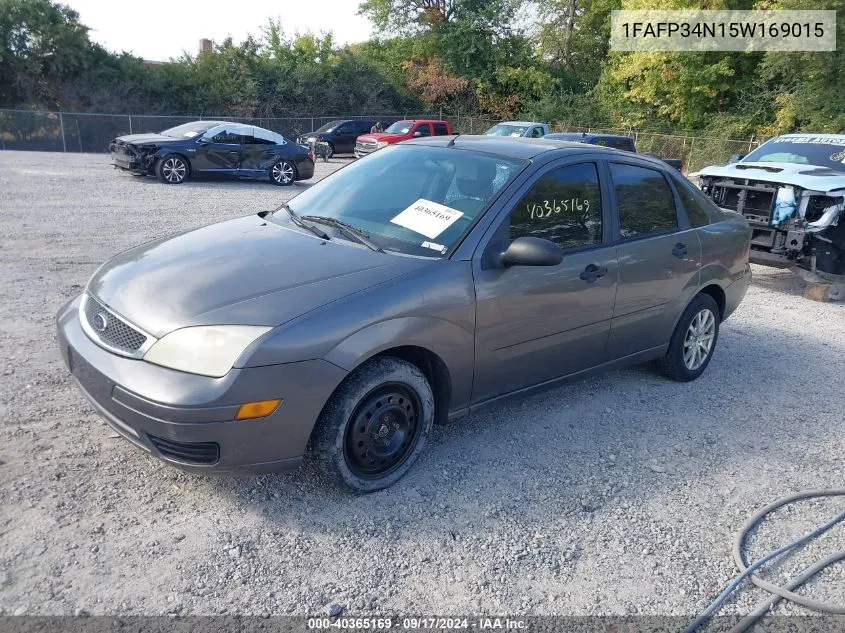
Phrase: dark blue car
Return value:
(213, 148)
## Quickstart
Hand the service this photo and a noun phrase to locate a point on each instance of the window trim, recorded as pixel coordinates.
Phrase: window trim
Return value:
(509, 204)
(680, 213)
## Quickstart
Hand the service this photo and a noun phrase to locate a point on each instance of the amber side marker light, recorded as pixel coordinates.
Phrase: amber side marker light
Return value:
(260, 409)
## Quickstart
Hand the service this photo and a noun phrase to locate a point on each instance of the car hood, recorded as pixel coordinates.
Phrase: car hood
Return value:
(247, 271)
(806, 176)
(390, 138)
(142, 139)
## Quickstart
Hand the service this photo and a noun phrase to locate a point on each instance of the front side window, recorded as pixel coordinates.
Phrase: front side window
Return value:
(563, 206)
(422, 130)
(229, 133)
(438, 191)
(537, 132)
(645, 201)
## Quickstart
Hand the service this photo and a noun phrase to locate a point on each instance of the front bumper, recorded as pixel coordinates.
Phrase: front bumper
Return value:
(188, 420)
(127, 162)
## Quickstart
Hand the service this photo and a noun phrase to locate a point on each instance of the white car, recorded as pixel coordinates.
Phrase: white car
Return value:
(791, 190)
(524, 129)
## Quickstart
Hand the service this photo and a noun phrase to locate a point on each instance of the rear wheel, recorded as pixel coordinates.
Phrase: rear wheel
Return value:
(283, 173)
(693, 341)
(375, 425)
(172, 169)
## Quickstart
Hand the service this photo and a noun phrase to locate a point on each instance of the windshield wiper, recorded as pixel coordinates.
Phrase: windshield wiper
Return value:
(346, 228)
(308, 227)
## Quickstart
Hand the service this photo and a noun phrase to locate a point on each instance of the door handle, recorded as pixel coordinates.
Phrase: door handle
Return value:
(592, 273)
(680, 250)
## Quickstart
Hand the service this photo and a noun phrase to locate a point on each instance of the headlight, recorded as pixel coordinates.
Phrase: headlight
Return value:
(208, 350)
(381, 144)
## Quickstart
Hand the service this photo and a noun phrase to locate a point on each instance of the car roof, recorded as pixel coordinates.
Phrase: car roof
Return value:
(574, 135)
(512, 147)
(526, 123)
(424, 120)
(813, 134)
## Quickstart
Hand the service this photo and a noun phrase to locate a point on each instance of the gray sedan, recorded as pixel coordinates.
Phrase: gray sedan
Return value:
(412, 287)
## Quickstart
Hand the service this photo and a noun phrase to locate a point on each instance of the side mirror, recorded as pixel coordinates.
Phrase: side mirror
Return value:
(532, 251)
(203, 140)
(417, 134)
(736, 158)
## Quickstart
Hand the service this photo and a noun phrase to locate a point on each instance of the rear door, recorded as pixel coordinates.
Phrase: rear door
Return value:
(258, 151)
(659, 258)
(537, 323)
(219, 150)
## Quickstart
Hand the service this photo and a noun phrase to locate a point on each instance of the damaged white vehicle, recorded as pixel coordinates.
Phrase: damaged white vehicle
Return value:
(791, 190)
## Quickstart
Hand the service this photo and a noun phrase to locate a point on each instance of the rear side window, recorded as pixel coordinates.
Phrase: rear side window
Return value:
(440, 129)
(645, 201)
(563, 206)
(363, 127)
(696, 208)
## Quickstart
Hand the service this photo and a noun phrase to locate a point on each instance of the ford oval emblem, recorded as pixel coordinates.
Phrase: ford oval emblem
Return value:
(100, 322)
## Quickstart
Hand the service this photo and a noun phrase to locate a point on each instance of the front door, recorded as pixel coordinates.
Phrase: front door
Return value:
(219, 150)
(659, 259)
(537, 323)
(344, 137)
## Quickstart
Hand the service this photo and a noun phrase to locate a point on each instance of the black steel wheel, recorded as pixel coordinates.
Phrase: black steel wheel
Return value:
(283, 173)
(375, 425)
(172, 169)
(383, 431)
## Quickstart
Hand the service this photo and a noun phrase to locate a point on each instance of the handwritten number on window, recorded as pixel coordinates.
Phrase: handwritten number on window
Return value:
(548, 207)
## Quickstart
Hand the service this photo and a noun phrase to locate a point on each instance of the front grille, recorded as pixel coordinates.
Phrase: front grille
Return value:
(365, 147)
(110, 329)
(188, 452)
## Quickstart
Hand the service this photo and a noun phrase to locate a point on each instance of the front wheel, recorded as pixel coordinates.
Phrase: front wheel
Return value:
(172, 169)
(375, 425)
(282, 173)
(693, 341)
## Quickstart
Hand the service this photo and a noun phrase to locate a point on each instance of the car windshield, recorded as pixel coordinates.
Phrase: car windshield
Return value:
(413, 200)
(189, 130)
(503, 129)
(328, 127)
(822, 151)
(400, 127)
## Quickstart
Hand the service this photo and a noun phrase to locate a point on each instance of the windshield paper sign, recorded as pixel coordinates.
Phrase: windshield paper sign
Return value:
(427, 218)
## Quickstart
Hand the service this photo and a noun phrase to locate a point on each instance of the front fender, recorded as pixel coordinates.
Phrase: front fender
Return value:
(453, 344)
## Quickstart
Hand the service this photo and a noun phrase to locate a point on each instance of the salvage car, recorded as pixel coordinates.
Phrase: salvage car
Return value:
(400, 131)
(525, 129)
(428, 280)
(792, 191)
(213, 148)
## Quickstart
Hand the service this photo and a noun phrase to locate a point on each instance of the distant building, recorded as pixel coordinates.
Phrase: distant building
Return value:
(206, 45)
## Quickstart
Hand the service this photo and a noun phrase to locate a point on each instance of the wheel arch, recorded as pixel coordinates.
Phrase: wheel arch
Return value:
(718, 294)
(164, 153)
(442, 350)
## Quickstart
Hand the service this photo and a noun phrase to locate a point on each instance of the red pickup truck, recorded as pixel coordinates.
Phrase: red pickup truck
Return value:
(400, 131)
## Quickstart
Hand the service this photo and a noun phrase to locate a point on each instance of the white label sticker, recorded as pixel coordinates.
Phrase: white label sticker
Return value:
(433, 246)
(427, 218)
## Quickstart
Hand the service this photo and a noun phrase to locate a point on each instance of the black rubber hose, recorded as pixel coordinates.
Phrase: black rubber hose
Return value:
(778, 592)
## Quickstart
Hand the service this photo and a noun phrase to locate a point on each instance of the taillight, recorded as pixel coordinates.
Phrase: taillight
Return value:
(311, 155)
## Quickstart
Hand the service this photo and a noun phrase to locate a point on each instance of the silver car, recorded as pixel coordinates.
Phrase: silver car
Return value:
(414, 286)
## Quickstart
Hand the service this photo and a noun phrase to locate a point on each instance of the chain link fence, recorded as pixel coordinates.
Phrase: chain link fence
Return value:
(86, 132)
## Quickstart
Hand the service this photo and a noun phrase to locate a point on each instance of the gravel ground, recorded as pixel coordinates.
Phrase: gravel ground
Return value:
(616, 495)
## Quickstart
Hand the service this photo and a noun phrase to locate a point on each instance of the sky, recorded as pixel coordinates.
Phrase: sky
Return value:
(161, 29)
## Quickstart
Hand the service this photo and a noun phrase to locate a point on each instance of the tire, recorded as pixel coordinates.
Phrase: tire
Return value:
(353, 440)
(693, 341)
(329, 153)
(283, 173)
(173, 169)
